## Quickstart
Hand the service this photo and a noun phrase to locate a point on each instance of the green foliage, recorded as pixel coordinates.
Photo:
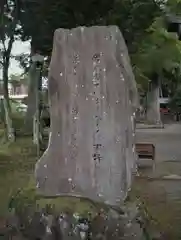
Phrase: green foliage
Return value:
(132, 16)
(174, 6)
(9, 32)
(152, 48)
(159, 53)
(16, 79)
(9, 28)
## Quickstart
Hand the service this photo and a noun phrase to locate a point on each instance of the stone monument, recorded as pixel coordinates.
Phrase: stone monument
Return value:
(93, 97)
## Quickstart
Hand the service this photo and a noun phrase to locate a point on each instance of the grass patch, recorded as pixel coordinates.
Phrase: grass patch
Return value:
(17, 162)
(161, 206)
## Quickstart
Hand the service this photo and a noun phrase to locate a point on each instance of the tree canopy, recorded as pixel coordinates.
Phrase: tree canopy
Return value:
(153, 50)
(142, 23)
(158, 53)
(40, 18)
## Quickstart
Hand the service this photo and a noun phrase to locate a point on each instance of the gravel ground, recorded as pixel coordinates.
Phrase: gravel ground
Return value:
(167, 141)
(163, 196)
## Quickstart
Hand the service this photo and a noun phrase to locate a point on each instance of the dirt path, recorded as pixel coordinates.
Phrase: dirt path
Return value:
(163, 197)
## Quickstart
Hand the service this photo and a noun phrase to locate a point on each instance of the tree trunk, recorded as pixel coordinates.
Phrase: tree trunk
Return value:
(2, 113)
(7, 108)
(31, 99)
(153, 106)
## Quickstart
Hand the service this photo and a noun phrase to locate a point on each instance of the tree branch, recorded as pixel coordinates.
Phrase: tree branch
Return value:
(2, 22)
(13, 28)
(2, 39)
(25, 71)
(3, 44)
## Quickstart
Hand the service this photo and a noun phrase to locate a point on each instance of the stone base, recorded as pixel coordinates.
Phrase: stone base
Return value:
(29, 220)
(68, 226)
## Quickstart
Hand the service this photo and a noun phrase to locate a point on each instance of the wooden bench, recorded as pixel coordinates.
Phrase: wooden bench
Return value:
(146, 151)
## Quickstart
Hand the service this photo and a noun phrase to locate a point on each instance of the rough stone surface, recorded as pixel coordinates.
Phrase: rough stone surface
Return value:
(71, 226)
(93, 97)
